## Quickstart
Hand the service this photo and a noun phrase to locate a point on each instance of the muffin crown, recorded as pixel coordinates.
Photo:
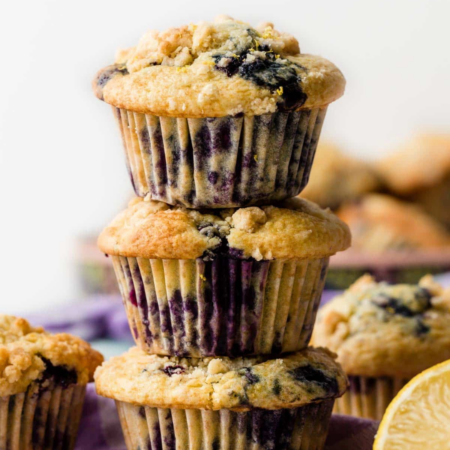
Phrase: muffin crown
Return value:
(218, 69)
(295, 229)
(387, 330)
(29, 354)
(222, 383)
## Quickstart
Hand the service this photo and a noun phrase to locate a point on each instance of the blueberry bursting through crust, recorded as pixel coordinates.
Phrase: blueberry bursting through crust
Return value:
(267, 70)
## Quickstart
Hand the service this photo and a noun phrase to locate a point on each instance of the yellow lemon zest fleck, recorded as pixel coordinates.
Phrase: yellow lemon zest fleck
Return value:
(255, 158)
(183, 69)
(277, 56)
(280, 90)
(202, 277)
(209, 63)
(268, 33)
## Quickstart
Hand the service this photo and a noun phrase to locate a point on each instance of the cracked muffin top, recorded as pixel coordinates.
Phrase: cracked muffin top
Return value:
(29, 354)
(294, 229)
(379, 329)
(379, 223)
(222, 383)
(216, 69)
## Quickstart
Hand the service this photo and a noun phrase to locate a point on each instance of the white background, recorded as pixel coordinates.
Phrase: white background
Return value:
(61, 166)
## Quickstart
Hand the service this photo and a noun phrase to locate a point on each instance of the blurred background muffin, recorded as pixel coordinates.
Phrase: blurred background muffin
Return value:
(384, 335)
(381, 223)
(419, 171)
(398, 209)
(337, 177)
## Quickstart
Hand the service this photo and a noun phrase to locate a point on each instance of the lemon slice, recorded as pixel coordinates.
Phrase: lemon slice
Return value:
(419, 416)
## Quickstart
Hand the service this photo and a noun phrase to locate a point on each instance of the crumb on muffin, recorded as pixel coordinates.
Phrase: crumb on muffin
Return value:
(29, 354)
(215, 69)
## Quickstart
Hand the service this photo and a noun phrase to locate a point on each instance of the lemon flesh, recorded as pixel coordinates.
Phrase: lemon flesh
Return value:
(419, 416)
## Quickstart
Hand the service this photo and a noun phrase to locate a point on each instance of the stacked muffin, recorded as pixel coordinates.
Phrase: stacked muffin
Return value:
(220, 270)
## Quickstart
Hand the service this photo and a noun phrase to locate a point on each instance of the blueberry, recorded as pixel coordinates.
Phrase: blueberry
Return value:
(252, 378)
(309, 374)
(106, 75)
(276, 389)
(174, 370)
(60, 375)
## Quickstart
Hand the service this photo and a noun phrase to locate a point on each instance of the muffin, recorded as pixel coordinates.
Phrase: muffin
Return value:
(384, 335)
(420, 171)
(224, 403)
(381, 223)
(219, 114)
(223, 282)
(43, 379)
(338, 178)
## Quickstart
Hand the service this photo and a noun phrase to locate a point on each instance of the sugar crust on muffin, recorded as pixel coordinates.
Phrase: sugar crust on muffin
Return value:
(216, 69)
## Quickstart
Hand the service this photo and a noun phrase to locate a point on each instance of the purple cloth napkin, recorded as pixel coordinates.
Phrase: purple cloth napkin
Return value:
(100, 428)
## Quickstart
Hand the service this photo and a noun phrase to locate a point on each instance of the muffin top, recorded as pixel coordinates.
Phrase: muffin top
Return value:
(337, 178)
(29, 354)
(387, 330)
(222, 383)
(295, 229)
(422, 162)
(216, 69)
(380, 223)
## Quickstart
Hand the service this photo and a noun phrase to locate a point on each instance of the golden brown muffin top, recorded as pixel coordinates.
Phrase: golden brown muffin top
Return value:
(216, 69)
(216, 383)
(380, 222)
(387, 330)
(337, 177)
(421, 162)
(29, 354)
(294, 229)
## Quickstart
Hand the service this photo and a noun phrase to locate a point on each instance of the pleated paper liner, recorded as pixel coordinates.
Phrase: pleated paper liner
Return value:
(41, 419)
(220, 162)
(225, 307)
(150, 428)
(368, 397)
